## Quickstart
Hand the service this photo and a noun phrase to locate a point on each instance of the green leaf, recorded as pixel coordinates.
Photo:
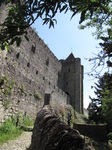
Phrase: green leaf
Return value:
(32, 18)
(12, 41)
(7, 1)
(51, 24)
(35, 3)
(63, 8)
(18, 41)
(7, 47)
(73, 14)
(55, 20)
(94, 0)
(91, 12)
(66, 10)
(46, 20)
(82, 16)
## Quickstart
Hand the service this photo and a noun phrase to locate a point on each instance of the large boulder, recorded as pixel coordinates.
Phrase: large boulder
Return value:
(50, 133)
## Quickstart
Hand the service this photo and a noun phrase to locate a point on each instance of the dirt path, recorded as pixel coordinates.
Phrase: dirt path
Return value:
(21, 143)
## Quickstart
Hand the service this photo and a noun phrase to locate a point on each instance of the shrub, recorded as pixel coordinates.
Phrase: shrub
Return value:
(71, 119)
(8, 131)
(37, 96)
(22, 88)
(28, 121)
(6, 104)
(8, 84)
(22, 120)
(109, 136)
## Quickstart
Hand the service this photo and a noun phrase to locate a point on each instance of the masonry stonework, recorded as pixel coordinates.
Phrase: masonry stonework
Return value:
(37, 68)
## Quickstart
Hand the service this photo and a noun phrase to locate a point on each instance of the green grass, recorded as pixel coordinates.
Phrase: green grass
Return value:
(27, 121)
(9, 130)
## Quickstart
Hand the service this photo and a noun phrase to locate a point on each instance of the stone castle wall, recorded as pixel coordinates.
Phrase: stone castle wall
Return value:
(35, 67)
(38, 64)
(26, 102)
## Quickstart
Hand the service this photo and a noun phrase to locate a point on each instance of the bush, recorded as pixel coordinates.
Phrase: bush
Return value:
(6, 104)
(109, 136)
(21, 120)
(12, 128)
(37, 96)
(22, 88)
(8, 84)
(27, 121)
(8, 131)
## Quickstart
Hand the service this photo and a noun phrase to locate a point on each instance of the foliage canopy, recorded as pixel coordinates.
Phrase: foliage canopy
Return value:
(23, 13)
(101, 107)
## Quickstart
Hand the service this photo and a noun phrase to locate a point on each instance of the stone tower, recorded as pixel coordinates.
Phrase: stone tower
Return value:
(72, 81)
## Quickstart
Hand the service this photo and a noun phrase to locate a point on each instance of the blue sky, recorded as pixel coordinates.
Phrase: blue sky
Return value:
(66, 38)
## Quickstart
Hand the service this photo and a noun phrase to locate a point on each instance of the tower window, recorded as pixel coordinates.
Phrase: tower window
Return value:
(30, 81)
(17, 55)
(66, 83)
(28, 64)
(47, 62)
(69, 70)
(37, 72)
(33, 49)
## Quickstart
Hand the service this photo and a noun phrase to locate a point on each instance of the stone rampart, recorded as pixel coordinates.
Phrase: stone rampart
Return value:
(98, 132)
(37, 56)
(34, 67)
(15, 67)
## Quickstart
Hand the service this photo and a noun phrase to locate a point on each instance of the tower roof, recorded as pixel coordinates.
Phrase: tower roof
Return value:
(70, 57)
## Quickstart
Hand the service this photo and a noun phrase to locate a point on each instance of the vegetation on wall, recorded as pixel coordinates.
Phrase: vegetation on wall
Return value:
(65, 113)
(6, 104)
(37, 96)
(71, 117)
(6, 85)
(22, 88)
(80, 118)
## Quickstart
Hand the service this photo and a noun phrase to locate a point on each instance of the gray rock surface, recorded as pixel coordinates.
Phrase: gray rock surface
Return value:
(50, 133)
(21, 143)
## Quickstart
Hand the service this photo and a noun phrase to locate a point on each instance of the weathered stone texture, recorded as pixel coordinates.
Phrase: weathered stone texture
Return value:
(35, 67)
(50, 133)
(72, 77)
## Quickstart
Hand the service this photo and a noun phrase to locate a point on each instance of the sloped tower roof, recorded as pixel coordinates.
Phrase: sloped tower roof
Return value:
(70, 57)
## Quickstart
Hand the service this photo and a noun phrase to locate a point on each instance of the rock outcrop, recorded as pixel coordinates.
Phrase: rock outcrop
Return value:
(50, 133)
